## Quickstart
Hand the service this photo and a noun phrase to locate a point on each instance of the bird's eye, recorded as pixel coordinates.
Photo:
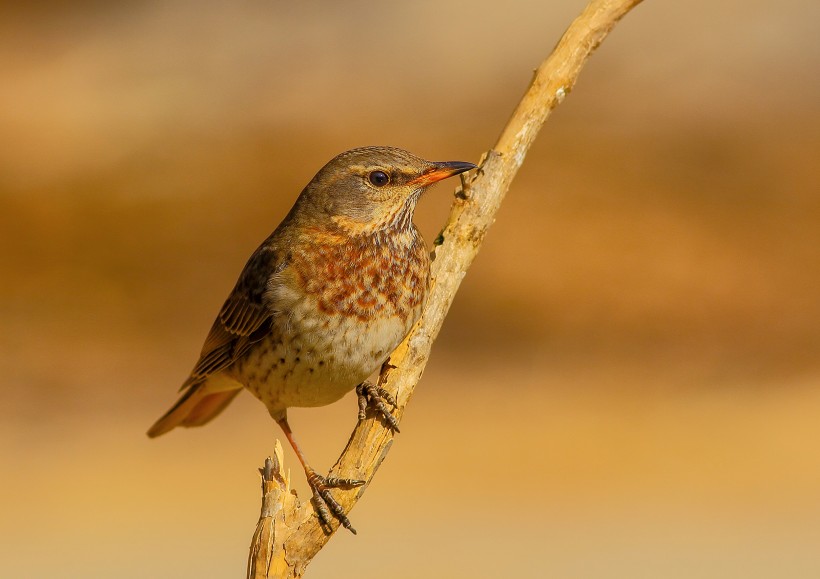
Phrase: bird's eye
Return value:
(378, 178)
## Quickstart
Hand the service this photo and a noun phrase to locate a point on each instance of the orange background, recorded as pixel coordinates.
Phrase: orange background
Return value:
(627, 385)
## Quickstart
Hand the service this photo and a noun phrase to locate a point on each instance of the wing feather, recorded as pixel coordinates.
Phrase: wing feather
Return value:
(245, 318)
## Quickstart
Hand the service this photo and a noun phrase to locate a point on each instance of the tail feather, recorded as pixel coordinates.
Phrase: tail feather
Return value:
(195, 407)
(209, 407)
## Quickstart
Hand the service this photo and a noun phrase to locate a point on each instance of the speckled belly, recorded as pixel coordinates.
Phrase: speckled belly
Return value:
(317, 358)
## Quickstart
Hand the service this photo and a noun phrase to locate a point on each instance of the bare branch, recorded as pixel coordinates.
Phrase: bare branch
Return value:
(289, 534)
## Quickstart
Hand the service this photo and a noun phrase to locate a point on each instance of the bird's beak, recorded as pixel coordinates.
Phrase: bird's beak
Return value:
(439, 171)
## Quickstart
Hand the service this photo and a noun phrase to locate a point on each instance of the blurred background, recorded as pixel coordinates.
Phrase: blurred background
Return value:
(628, 384)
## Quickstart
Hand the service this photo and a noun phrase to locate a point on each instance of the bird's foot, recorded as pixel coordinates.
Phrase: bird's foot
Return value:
(377, 398)
(326, 506)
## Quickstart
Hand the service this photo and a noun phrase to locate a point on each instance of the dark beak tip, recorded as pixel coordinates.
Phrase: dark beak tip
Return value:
(456, 167)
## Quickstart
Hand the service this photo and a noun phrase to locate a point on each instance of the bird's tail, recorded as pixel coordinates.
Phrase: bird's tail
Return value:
(197, 405)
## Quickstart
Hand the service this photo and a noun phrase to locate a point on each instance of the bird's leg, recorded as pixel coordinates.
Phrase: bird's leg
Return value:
(322, 499)
(376, 397)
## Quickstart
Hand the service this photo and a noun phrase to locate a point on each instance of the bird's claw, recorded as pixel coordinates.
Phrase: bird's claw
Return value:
(376, 397)
(327, 507)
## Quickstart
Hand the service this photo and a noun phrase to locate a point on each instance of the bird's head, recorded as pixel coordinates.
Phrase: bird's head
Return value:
(365, 190)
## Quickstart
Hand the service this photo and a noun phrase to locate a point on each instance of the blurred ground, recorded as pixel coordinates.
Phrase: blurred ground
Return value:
(631, 369)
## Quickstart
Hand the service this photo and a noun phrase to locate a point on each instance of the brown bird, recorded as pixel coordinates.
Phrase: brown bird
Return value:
(323, 302)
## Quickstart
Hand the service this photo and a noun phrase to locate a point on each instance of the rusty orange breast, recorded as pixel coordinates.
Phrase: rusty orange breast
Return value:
(383, 274)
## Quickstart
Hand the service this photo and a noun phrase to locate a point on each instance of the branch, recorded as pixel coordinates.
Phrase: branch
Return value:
(288, 534)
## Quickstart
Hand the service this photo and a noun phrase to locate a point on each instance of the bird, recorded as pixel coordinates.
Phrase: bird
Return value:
(322, 303)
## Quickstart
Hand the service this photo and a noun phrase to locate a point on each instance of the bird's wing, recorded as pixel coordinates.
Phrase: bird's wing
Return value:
(245, 318)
